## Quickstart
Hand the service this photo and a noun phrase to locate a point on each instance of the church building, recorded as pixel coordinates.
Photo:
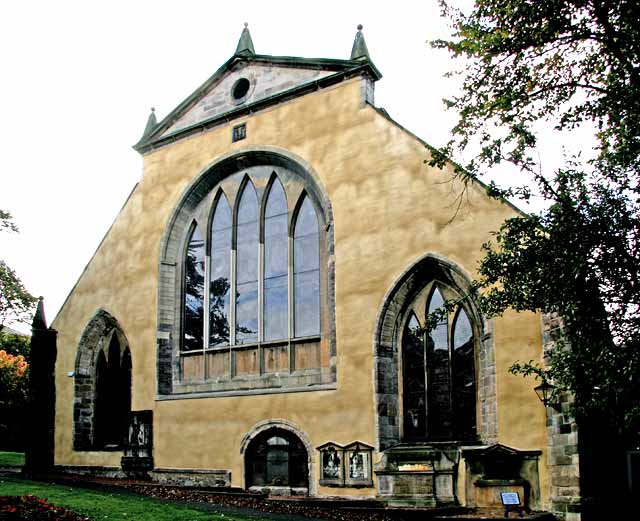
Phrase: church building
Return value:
(256, 316)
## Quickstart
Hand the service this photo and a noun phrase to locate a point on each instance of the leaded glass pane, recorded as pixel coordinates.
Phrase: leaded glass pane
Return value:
(220, 278)
(277, 202)
(413, 378)
(436, 301)
(439, 334)
(247, 313)
(306, 252)
(462, 332)
(463, 377)
(276, 261)
(194, 293)
(307, 303)
(307, 221)
(275, 243)
(306, 279)
(275, 308)
(247, 267)
(439, 375)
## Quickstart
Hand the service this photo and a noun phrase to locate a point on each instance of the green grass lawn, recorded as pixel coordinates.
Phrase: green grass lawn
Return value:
(11, 459)
(111, 505)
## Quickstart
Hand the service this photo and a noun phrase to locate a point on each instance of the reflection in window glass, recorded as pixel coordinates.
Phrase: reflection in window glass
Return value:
(275, 264)
(194, 292)
(247, 267)
(413, 379)
(439, 402)
(306, 272)
(220, 279)
(462, 332)
(463, 375)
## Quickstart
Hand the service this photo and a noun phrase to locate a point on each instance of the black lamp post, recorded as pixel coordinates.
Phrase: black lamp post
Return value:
(544, 392)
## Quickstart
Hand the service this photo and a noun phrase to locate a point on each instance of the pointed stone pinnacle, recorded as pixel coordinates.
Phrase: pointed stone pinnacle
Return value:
(359, 49)
(245, 44)
(39, 320)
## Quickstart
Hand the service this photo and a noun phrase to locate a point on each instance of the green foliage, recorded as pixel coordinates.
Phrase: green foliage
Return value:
(5, 222)
(563, 61)
(11, 459)
(15, 344)
(16, 303)
(14, 386)
(562, 64)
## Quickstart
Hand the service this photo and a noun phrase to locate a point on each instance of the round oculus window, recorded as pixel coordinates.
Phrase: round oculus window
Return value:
(240, 89)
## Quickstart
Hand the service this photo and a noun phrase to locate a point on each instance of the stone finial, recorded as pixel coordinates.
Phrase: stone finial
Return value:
(152, 123)
(39, 320)
(245, 44)
(359, 49)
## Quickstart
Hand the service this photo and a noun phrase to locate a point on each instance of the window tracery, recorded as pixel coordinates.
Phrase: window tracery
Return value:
(264, 246)
(439, 379)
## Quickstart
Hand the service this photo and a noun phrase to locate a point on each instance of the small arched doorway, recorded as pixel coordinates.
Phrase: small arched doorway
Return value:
(277, 459)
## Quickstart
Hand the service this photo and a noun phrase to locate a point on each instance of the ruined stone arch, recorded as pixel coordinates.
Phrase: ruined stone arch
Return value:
(96, 338)
(393, 311)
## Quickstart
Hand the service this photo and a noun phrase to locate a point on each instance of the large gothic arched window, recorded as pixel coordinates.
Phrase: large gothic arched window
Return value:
(438, 370)
(252, 286)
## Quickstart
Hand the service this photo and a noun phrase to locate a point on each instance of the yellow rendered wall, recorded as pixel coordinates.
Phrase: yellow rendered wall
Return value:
(389, 209)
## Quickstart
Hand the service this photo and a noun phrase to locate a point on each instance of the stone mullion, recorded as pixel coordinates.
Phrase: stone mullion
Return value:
(232, 315)
(261, 250)
(205, 318)
(290, 304)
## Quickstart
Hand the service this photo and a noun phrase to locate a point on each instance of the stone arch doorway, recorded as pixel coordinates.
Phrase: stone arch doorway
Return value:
(276, 460)
(102, 385)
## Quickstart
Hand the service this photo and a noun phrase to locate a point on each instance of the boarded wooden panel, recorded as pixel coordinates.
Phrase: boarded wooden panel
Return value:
(218, 365)
(276, 359)
(325, 354)
(192, 368)
(307, 355)
(247, 361)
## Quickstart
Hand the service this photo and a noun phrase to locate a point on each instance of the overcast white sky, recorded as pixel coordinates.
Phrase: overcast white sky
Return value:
(78, 79)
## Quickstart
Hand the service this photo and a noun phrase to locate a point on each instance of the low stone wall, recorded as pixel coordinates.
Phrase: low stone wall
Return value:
(192, 477)
(163, 476)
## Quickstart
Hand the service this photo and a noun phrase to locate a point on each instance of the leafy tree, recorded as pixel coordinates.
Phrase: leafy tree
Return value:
(561, 64)
(16, 303)
(15, 344)
(14, 393)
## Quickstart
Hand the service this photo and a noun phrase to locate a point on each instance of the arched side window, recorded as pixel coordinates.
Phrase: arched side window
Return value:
(102, 394)
(267, 253)
(439, 390)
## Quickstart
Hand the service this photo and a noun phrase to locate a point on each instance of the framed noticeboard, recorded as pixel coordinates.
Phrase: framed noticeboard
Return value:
(358, 465)
(331, 465)
(510, 498)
